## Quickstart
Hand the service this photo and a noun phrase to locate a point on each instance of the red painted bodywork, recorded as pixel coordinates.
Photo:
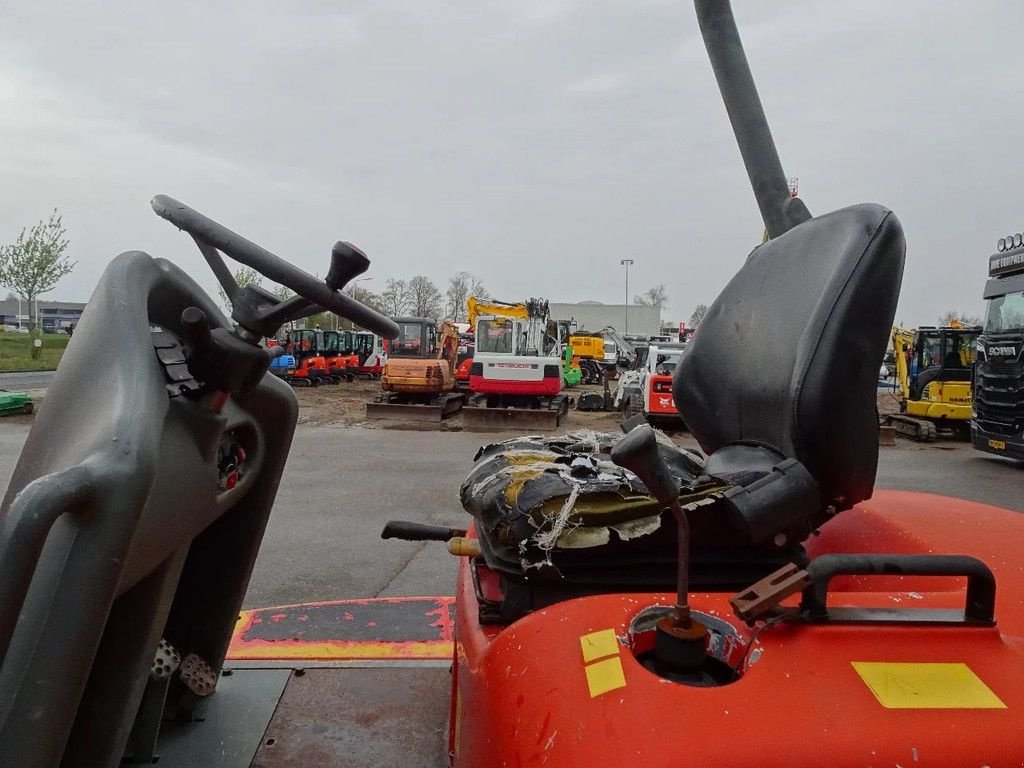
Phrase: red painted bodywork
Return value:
(548, 387)
(522, 696)
(462, 372)
(660, 397)
(341, 364)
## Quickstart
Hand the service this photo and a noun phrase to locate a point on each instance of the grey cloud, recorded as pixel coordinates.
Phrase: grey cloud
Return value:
(535, 144)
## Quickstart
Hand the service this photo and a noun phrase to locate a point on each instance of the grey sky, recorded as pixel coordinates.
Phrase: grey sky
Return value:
(535, 143)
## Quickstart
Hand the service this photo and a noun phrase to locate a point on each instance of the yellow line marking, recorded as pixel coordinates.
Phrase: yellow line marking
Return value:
(427, 649)
(926, 686)
(597, 645)
(604, 676)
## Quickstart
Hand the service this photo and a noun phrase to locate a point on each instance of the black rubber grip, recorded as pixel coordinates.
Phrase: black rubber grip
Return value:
(638, 452)
(408, 531)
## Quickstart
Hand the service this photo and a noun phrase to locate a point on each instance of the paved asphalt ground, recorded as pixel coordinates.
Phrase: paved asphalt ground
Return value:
(342, 484)
(20, 382)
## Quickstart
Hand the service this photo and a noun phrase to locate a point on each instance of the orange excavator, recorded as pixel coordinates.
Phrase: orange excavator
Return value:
(418, 380)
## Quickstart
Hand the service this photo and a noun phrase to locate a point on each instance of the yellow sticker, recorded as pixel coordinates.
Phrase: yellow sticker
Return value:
(604, 676)
(926, 686)
(597, 645)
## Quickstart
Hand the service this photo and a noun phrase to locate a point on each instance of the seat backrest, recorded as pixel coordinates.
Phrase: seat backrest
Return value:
(789, 353)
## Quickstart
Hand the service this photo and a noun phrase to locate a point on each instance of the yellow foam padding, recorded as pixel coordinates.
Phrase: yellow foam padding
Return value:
(604, 676)
(597, 645)
(926, 685)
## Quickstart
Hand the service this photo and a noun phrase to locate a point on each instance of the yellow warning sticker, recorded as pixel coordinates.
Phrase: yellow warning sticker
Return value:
(597, 645)
(926, 686)
(604, 676)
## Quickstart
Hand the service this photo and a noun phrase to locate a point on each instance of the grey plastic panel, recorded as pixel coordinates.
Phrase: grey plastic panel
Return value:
(113, 531)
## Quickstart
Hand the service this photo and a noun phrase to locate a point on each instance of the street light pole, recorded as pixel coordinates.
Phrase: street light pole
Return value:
(626, 263)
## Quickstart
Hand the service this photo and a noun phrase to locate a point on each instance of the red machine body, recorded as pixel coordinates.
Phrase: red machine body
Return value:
(563, 687)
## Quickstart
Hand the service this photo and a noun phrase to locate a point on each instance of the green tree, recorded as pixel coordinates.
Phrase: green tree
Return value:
(34, 263)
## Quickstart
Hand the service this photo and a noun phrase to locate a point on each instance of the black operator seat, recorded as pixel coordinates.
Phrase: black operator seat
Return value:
(780, 381)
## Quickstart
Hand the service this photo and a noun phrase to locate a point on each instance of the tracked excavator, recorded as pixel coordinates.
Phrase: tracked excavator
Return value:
(418, 380)
(934, 367)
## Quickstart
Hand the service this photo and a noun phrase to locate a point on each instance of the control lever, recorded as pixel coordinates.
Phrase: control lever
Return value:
(680, 640)
(218, 358)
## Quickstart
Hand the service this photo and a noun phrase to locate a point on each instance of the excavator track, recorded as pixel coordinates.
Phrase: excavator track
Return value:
(918, 430)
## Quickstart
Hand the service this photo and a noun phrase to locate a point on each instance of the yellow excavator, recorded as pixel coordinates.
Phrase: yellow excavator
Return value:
(934, 367)
(418, 380)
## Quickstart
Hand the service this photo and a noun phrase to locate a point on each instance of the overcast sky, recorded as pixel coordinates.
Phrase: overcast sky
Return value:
(533, 142)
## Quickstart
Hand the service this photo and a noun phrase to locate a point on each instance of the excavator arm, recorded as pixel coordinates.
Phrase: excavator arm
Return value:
(494, 307)
(626, 349)
(448, 345)
(902, 345)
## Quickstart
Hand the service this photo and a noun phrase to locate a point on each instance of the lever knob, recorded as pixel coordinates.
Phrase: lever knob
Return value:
(347, 261)
(195, 326)
(638, 452)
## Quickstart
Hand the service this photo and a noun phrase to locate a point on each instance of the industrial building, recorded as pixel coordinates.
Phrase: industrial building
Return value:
(624, 318)
(53, 315)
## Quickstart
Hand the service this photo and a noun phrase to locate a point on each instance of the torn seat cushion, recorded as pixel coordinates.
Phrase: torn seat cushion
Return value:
(550, 503)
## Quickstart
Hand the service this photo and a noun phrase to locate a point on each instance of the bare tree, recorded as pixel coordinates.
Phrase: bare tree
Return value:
(34, 263)
(653, 297)
(395, 298)
(244, 276)
(461, 286)
(960, 317)
(424, 297)
(698, 315)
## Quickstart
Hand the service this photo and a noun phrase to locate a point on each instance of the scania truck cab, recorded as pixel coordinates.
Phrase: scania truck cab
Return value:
(998, 419)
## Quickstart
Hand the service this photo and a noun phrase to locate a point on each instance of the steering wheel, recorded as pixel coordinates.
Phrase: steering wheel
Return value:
(259, 311)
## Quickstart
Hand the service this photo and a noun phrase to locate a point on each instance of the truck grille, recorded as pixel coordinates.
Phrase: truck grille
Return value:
(999, 396)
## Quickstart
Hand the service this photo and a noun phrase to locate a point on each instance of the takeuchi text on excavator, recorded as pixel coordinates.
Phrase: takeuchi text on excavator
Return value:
(516, 377)
(934, 367)
(419, 377)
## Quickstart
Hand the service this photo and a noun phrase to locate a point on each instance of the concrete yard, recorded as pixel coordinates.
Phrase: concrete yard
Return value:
(343, 483)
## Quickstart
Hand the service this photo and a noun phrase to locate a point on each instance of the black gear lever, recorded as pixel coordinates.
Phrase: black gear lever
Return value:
(680, 640)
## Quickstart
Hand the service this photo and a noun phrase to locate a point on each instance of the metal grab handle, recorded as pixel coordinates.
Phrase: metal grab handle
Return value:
(23, 532)
(981, 584)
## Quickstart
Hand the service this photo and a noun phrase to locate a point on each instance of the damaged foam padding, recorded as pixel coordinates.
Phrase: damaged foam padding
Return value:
(536, 496)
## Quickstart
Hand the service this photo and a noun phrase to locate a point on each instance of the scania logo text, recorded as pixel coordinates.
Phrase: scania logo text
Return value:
(1002, 351)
